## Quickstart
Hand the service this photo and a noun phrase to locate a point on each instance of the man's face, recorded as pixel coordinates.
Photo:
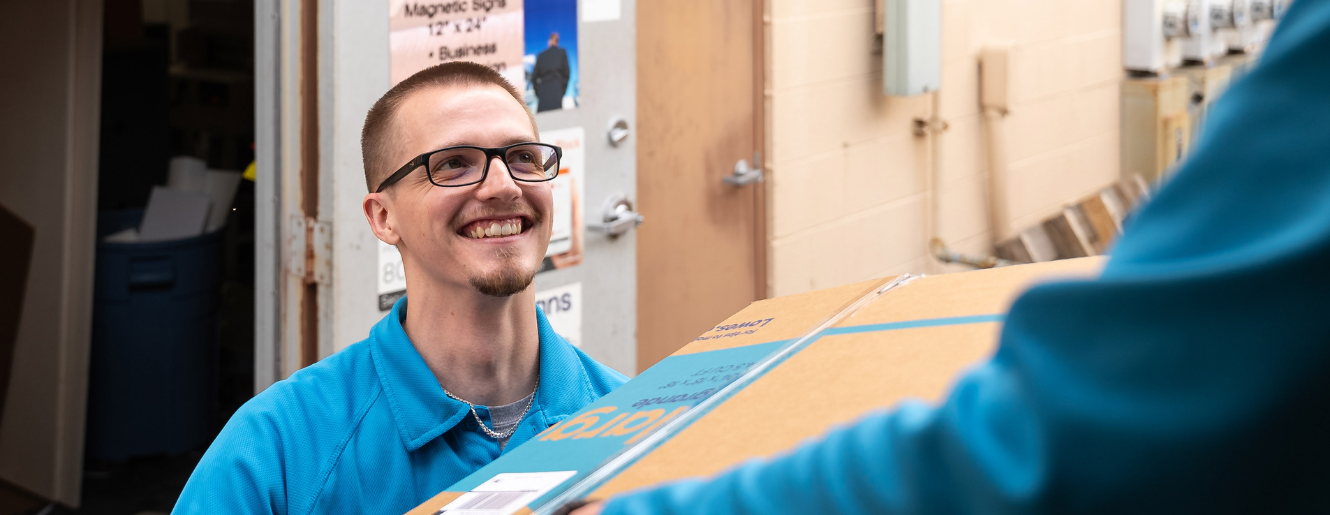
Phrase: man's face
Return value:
(443, 230)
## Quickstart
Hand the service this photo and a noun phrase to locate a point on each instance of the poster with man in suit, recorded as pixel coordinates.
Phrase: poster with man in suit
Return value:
(550, 76)
(551, 54)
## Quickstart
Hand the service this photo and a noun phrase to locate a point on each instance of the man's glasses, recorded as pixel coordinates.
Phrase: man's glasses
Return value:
(465, 165)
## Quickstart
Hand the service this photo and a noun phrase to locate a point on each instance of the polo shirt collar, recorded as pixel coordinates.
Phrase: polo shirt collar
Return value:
(422, 411)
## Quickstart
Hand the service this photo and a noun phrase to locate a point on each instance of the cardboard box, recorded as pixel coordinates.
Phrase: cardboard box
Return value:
(726, 397)
(1156, 128)
(1240, 64)
(1206, 84)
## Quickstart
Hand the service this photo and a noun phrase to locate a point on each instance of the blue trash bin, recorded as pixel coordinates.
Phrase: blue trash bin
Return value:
(152, 385)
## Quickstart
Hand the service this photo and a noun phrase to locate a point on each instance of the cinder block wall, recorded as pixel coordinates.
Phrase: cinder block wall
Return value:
(847, 185)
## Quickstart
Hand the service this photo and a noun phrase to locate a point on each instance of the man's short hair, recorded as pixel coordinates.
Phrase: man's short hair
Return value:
(377, 135)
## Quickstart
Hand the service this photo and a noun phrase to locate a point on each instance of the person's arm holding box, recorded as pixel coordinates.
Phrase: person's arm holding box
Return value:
(1191, 377)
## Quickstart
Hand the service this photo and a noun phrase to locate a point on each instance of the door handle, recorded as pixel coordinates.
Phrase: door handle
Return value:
(617, 218)
(744, 174)
(618, 131)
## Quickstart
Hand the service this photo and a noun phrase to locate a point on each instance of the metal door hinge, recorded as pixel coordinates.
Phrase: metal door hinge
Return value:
(296, 236)
(309, 250)
(322, 252)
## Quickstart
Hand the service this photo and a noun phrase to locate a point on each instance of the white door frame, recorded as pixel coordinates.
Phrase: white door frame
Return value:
(309, 305)
(269, 71)
(279, 223)
(280, 232)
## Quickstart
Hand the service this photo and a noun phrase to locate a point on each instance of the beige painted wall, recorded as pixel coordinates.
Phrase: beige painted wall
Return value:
(847, 191)
(51, 54)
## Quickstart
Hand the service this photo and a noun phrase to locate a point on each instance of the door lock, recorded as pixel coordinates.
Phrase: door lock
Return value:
(744, 174)
(618, 217)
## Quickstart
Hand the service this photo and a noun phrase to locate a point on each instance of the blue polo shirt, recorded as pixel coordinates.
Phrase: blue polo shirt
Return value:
(369, 430)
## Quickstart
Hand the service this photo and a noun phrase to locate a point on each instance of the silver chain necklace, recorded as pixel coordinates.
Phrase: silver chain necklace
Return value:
(492, 433)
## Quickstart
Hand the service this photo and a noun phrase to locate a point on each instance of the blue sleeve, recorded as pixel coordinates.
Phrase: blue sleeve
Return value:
(242, 471)
(1192, 377)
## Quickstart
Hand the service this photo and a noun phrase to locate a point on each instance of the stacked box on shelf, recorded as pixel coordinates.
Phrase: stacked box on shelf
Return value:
(1205, 85)
(1156, 127)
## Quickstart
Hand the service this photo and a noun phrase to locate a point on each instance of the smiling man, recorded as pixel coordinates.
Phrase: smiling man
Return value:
(460, 184)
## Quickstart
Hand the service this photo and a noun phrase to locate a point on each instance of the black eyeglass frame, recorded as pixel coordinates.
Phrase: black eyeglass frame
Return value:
(490, 154)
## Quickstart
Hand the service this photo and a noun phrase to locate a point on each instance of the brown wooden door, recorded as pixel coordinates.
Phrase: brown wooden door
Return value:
(700, 253)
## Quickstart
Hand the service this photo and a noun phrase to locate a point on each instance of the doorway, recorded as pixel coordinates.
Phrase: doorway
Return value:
(177, 120)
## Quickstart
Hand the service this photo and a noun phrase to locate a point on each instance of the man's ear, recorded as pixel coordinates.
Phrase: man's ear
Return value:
(380, 217)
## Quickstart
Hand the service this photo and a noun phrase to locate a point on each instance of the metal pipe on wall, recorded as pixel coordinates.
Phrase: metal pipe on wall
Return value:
(998, 212)
(995, 99)
(932, 128)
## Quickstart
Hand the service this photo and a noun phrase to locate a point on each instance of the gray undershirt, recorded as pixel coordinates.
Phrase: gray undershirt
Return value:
(506, 417)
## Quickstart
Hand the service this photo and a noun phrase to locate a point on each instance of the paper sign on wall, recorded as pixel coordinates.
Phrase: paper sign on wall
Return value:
(563, 308)
(423, 34)
(568, 231)
(600, 10)
(532, 43)
(392, 276)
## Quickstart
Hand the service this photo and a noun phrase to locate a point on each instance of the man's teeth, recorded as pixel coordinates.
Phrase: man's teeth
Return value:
(496, 229)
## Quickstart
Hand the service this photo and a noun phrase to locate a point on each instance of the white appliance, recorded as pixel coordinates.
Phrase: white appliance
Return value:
(1237, 28)
(1203, 45)
(1153, 33)
(1265, 14)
